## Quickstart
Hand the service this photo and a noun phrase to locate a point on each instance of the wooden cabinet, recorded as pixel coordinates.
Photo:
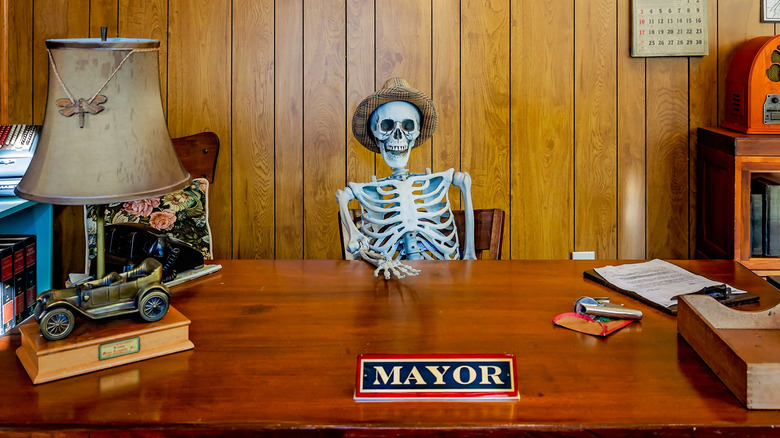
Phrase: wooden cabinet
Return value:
(727, 161)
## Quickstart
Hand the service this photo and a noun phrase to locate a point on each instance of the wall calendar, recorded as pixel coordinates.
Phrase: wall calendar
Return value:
(669, 28)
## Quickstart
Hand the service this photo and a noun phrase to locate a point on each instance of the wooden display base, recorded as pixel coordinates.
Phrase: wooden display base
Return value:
(99, 345)
(742, 348)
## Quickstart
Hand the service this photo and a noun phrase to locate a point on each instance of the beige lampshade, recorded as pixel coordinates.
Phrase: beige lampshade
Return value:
(123, 152)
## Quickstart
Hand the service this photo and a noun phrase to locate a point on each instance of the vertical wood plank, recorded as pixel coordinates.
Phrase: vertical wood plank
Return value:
(4, 61)
(703, 111)
(148, 19)
(542, 220)
(446, 144)
(289, 129)
(59, 19)
(53, 19)
(324, 121)
(737, 22)
(667, 158)
(103, 13)
(199, 96)
(360, 84)
(403, 49)
(630, 143)
(485, 103)
(595, 151)
(18, 62)
(253, 129)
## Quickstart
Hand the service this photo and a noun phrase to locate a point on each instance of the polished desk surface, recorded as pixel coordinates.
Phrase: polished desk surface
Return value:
(276, 344)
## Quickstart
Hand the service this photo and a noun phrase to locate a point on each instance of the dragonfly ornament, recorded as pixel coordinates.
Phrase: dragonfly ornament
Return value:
(81, 107)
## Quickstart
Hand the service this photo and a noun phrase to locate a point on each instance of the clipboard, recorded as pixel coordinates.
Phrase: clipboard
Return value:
(732, 300)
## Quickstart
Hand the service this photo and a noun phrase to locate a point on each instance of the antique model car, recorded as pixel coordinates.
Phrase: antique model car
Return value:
(138, 290)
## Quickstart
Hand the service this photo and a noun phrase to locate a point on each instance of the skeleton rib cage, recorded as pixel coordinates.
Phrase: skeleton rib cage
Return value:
(399, 213)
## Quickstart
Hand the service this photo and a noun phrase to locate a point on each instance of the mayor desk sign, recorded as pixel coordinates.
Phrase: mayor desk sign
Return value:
(404, 377)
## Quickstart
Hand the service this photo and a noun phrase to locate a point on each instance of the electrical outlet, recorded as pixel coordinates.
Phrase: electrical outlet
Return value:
(583, 255)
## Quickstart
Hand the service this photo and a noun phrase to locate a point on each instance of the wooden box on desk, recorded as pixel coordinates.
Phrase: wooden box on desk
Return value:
(95, 346)
(726, 162)
(741, 347)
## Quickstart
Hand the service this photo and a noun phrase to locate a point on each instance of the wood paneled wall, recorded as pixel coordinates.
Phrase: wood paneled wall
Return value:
(584, 147)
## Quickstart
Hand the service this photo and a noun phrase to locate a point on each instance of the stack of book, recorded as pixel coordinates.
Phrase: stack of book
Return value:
(765, 215)
(17, 279)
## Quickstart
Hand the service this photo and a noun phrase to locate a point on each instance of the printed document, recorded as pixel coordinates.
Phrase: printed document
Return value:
(657, 280)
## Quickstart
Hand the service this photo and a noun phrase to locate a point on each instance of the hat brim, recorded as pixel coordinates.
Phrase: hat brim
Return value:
(399, 90)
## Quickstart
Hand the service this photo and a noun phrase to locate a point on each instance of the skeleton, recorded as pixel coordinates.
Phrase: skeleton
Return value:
(405, 215)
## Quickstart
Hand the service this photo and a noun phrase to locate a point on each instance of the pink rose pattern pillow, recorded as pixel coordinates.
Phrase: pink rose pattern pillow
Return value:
(182, 215)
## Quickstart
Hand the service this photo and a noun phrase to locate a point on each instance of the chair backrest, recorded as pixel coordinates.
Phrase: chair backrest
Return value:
(488, 232)
(198, 154)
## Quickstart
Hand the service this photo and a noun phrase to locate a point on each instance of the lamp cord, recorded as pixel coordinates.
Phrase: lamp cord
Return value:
(67, 92)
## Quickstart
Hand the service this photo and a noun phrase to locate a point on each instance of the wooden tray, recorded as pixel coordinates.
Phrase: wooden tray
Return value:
(742, 348)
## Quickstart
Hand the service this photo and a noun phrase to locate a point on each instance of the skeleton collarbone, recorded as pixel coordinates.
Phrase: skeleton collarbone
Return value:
(409, 216)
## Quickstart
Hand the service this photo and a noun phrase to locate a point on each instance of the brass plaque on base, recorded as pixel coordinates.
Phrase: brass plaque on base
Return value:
(99, 345)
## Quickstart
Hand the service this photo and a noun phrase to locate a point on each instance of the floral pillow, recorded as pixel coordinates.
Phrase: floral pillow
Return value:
(182, 215)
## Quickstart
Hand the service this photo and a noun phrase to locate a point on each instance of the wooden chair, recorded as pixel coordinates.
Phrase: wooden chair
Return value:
(198, 154)
(488, 232)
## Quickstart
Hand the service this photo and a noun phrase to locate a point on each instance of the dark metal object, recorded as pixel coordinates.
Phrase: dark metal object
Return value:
(719, 292)
(128, 244)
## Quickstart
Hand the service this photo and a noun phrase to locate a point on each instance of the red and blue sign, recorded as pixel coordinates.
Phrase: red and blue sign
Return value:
(436, 376)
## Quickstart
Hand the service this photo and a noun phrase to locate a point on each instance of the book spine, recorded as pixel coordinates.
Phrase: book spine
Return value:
(773, 221)
(20, 283)
(7, 284)
(756, 224)
(30, 253)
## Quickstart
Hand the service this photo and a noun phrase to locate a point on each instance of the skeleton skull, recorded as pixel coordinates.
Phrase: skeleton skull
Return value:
(396, 126)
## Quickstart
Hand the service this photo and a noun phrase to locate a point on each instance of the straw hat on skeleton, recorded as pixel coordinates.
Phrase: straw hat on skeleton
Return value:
(393, 89)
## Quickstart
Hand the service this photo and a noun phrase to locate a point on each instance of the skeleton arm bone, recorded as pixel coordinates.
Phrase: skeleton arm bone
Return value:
(355, 238)
(462, 180)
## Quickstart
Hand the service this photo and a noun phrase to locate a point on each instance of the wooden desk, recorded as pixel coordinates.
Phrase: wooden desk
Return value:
(276, 344)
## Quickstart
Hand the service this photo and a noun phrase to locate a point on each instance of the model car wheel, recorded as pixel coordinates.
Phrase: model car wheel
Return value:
(57, 324)
(153, 306)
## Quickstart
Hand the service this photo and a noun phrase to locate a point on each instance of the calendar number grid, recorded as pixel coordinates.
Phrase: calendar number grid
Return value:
(669, 28)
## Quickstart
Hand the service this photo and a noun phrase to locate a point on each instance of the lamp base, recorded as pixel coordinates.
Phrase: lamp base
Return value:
(99, 345)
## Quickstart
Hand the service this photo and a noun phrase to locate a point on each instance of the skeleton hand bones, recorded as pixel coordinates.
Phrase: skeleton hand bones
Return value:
(391, 267)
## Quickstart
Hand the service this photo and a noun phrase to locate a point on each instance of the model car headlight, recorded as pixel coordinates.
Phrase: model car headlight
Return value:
(40, 303)
(44, 297)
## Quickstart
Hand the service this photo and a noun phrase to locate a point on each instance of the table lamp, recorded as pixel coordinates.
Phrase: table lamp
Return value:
(104, 137)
